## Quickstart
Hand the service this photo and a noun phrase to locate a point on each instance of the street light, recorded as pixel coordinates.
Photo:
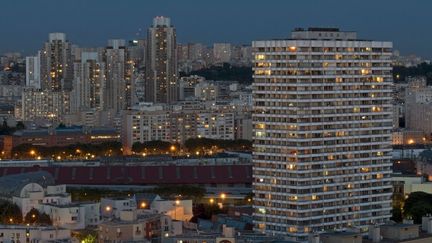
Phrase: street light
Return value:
(143, 205)
(211, 200)
(223, 196)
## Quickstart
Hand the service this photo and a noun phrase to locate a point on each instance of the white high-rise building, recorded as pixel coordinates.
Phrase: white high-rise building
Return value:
(33, 77)
(322, 128)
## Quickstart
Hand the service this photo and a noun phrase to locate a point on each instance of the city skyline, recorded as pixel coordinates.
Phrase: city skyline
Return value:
(368, 19)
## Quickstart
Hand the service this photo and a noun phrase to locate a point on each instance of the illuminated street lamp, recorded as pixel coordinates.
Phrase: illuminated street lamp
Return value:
(211, 200)
(32, 152)
(143, 205)
(223, 196)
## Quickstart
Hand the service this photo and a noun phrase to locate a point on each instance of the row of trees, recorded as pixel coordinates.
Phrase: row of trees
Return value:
(192, 145)
(400, 73)
(227, 71)
(76, 150)
(5, 129)
(152, 147)
(187, 192)
(10, 213)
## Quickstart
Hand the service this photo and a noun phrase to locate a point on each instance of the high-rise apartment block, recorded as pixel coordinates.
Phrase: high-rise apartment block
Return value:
(48, 105)
(322, 129)
(161, 62)
(56, 64)
(418, 106)
(89, 83)
(117, 83)
(33, 75)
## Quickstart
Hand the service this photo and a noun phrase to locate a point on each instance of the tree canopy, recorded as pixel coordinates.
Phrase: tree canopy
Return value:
(159, 146)
(417, 205)
(228, 72)
(400, 73)
(194, 144)
(34, 217)
(10, 213)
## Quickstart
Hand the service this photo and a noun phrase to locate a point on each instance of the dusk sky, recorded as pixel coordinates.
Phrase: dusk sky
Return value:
(26, 23)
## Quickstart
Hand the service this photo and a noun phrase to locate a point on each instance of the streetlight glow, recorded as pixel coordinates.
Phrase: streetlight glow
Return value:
(143, 204)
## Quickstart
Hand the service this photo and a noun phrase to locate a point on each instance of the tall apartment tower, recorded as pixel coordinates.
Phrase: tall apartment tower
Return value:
(89, 83)
(161, 84)
(322, 132)
(118, 78)
(56, 64)
(33, 77)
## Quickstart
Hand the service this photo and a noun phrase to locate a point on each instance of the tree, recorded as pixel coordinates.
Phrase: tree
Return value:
(45, 219)
(173, 191)
(400, 73)
(10, 213)
(417, 205)
(397, 214)
(32, 216)
(36, 218)
(90, 238)
(226, 72)
(151, 146)
(20, 125)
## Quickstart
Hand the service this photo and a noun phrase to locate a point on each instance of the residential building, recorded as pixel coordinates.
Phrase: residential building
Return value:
(88, 83)
(418, 106)
(117, 81)
(222, 52)
(133, 226)
(409, 137)
(161, 84)
(74, 216)
(176, 209)
(33, 69)
(322, 132)
(207, 90)
(56, 64)
(216, 125)
(23, 233)
(47, 105)
(187, 86)
(112, 207)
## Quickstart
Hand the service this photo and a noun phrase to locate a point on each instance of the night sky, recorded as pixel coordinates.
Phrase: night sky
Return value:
(25, 24)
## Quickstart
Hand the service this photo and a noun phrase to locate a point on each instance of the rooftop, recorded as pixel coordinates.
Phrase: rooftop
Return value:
(12, 185)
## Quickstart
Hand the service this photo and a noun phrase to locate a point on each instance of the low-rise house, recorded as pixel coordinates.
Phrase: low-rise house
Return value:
(20, 233)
